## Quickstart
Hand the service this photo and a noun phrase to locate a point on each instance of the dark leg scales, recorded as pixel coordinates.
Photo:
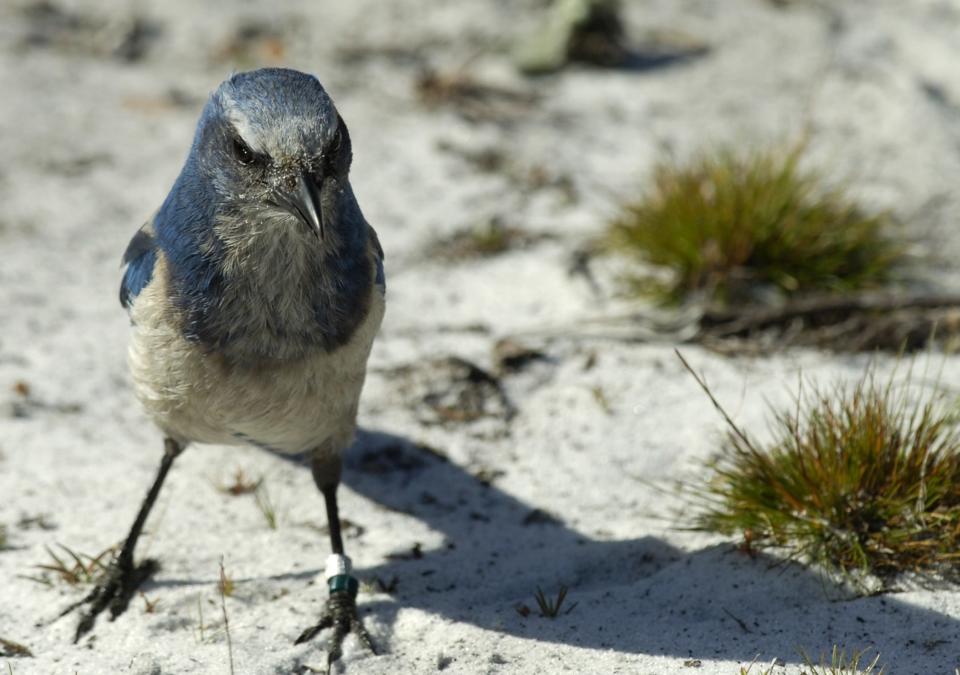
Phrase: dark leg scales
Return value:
(340, 614)
(340, 611)
(114, 590)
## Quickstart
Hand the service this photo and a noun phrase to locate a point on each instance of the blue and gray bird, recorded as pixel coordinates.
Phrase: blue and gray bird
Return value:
(255, 293)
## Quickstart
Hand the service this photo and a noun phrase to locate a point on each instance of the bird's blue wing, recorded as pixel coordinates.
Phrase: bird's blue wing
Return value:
(140, 256)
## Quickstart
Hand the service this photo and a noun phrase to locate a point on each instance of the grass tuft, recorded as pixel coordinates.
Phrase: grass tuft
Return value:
(242, 484)
(74, 569)
(265, 505)
(201, 626)
(550, 607)
(225, 584)
(727, 224)
(863, 479)
(149, 606)
(841, 664)
(9, 648)
(222, 585)
(484, 239)
(748, 669)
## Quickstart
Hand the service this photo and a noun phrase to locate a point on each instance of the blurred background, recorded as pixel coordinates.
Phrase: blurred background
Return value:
(516, 159)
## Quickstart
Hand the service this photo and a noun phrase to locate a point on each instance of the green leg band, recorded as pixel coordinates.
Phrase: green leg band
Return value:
(344, 582)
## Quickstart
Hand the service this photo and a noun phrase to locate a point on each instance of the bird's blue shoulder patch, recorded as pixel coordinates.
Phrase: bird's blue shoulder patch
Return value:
(140, 257)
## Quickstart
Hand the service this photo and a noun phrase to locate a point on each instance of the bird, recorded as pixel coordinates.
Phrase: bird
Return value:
(254, 294)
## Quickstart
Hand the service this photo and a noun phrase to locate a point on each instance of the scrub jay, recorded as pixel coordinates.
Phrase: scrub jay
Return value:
(254, 294)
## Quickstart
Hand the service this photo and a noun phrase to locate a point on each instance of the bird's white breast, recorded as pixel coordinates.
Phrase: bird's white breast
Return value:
(196, 395)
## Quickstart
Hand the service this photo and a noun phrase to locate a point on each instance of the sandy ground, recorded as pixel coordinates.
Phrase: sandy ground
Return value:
(470, 518)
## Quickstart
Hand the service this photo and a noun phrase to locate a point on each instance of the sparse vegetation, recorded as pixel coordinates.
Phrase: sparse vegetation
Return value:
(600, 396)
(40, 521)
(75, 568)
(9, 648)
(726, 224)
(485, 239)
(841, 664)
(863, 479)
(241, 484)
(201, 626)
(149, 606)
(265, 505)
(473, 99)
(225, 583)
(748, 669)
(550, 607)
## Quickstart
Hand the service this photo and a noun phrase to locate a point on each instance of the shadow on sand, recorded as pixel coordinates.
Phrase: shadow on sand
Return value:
(634, 596)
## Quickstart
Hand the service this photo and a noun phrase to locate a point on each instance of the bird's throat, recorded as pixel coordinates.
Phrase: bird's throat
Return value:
(283, 292)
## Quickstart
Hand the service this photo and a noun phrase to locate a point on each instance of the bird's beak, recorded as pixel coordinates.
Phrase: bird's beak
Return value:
(303, 201)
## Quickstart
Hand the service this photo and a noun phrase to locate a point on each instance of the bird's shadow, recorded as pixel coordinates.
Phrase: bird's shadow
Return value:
(634, 596)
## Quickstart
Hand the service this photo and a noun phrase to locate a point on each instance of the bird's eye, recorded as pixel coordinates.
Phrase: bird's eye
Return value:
(337, 141)
(336, 157)
(242, 151)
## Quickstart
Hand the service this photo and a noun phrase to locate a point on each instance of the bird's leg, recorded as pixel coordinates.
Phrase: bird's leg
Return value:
(340, 611)
(122, 577)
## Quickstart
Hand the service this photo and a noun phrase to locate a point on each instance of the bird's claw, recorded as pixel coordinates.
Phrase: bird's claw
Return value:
(340, 613)
(114, 590)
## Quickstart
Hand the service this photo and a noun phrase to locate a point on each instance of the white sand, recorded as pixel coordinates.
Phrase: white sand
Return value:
(89, 149)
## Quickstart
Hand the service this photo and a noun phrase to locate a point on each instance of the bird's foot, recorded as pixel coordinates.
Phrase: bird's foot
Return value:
(340, 614)
(114, 590)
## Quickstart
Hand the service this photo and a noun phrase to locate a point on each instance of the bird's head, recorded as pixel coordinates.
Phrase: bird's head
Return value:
(273, 148)
(266, 246)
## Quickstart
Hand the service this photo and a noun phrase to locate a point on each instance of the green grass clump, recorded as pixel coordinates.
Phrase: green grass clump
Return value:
(862, 479)
(726, 223)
